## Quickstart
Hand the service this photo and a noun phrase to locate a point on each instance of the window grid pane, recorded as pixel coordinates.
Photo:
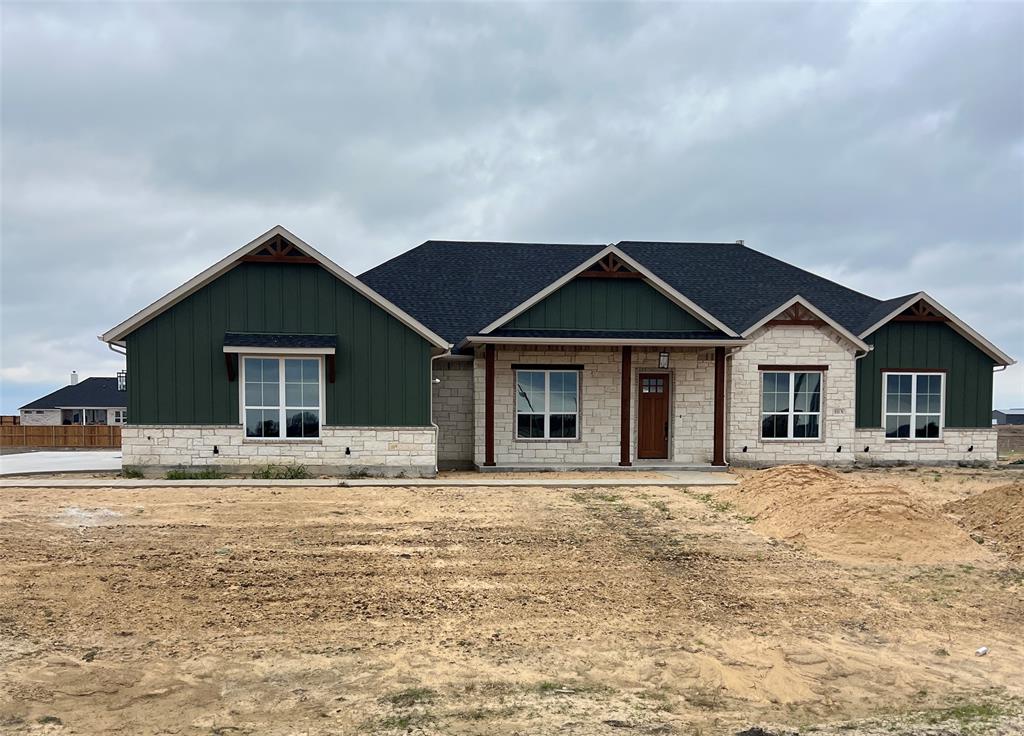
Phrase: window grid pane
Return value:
(265, 416)
(790, 405)
(913, 406)
(547, 404)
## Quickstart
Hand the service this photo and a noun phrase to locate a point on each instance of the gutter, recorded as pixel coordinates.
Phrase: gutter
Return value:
(437, 430)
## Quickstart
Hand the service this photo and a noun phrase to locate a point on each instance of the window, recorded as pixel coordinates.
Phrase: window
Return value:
(95, 416)
(70, 416)
(281, 397)
(790, 405)
(547, 404)
(120, 416)
(912, 405)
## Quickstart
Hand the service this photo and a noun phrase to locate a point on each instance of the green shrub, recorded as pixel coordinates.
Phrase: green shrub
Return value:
(131, 471)
(281, 472)
(187, 474)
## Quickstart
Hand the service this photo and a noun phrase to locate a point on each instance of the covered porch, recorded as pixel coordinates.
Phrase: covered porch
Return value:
(600, 402)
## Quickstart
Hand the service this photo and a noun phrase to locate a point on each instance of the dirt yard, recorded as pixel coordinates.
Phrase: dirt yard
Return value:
(499, 611)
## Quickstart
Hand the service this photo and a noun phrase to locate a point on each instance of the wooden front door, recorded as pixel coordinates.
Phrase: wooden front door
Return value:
(652, 419)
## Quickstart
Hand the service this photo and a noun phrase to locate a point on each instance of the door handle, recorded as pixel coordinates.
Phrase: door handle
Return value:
(666, 429)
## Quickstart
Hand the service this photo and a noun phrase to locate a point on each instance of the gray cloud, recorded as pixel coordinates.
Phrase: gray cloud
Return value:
(879, 145)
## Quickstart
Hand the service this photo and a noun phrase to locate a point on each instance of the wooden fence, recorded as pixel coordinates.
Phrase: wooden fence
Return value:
(72, 435)
(10, 419)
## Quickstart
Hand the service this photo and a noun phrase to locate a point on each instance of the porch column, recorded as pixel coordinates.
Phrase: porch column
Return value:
(624, 409)
(489, 353)
(718, 456)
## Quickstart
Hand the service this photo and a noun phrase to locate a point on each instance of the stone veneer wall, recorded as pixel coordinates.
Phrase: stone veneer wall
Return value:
(452, 412)
(381, 451)
(952, 449)
(48, 417)
(692, 383)
(792, 345)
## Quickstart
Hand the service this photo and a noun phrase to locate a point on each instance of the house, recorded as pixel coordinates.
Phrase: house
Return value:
(97, 400)
(1008, 416)
(513, 355)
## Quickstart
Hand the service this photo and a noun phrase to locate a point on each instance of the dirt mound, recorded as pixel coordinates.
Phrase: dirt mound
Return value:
(996, 514)
(846, 520)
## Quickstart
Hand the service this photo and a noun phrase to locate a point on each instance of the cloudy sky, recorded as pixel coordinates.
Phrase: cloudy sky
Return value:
(880, 146)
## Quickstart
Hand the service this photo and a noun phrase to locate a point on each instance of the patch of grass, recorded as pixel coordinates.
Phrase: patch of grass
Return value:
(712, 503)
(662, 508)
(404, 721)
(187, 474)
(410, 697)
(131, 471)
(281, 472)
(966, 713)
(485, 714)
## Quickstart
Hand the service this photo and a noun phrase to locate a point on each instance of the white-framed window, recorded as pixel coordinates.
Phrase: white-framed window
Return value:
(282, 398)
(120, 416)
(547, 404)
(791, 405)
(913, 405)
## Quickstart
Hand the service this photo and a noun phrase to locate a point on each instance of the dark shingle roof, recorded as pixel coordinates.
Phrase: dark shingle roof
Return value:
(740, 285)
(266, 340)
(91, 392)
(457, 288)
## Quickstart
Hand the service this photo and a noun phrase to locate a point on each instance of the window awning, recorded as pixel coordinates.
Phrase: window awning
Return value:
(281, 344)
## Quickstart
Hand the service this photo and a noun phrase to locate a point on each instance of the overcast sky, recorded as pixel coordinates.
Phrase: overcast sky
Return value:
(879, 146)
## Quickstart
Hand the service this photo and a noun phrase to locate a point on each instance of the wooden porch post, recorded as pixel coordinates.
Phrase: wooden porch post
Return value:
(627, 381)
(718, 457)
(489, 354)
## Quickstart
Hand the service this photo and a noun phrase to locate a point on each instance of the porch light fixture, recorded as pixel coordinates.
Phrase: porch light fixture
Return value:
(663, 359)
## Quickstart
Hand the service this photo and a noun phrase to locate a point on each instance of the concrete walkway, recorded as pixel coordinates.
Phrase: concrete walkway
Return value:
(620, 480)
(68, 461)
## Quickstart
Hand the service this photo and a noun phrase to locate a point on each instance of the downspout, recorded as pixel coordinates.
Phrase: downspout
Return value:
(437, 430)
(113, 347)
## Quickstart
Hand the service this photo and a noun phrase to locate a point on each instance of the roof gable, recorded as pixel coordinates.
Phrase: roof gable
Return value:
(277, 245)
(800, 311)
(630, 263)
(922, 307)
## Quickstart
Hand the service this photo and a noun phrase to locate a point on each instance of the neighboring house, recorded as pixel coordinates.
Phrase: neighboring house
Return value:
(93, 401)
(1008, 416)
(511, 355)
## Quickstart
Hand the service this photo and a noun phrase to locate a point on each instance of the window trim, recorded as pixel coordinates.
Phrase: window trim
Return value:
(913, 403)
(790, 370)
(282, 408)
(547, 370)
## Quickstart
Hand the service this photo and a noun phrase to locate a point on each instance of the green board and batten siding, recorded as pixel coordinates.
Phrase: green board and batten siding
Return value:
(607, 304)
(176, 365)
(921, 346)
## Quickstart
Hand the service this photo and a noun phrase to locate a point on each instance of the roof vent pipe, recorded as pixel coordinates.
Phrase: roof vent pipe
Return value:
(739, 242)
(74, 377)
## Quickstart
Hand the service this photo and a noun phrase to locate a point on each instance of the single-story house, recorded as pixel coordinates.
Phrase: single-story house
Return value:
(1008, 416)
(97, 400)
(528, 355)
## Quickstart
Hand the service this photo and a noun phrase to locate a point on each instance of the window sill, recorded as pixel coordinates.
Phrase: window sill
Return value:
(787, 440)
(282, 440)
(914, 439)
(532, 440)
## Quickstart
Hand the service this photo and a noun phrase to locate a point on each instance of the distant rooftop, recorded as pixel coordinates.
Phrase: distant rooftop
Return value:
(92, 393)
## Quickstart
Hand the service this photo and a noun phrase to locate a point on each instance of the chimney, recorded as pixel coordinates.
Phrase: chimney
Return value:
(74, 377)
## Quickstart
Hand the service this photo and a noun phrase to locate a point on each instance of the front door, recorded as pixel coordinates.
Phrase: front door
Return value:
(652, 422)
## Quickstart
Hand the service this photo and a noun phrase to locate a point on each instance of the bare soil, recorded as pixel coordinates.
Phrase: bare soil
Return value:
(485, 611)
